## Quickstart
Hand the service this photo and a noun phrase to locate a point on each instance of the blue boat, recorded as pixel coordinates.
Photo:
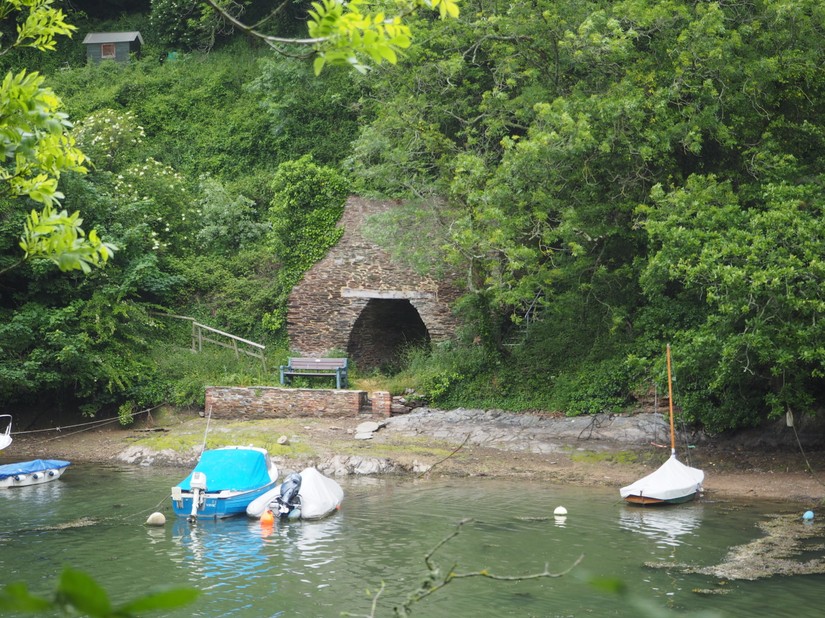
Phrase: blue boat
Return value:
(224, 482)
(32, 472)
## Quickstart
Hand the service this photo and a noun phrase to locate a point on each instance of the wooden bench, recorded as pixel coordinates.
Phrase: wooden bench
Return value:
(333, 367)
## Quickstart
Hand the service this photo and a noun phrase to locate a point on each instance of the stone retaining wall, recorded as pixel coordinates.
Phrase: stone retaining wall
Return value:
(255, 402)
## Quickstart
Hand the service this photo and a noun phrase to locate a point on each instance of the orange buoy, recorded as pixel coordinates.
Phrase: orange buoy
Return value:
(268, 518)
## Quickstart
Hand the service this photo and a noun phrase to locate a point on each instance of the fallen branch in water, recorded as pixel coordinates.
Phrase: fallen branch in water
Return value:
(435, 581)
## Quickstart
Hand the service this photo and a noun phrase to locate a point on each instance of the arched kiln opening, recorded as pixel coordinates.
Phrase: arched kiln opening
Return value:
(383, 329)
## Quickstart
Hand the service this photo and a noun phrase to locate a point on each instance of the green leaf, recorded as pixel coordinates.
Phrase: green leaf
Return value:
(15, 597)
(165, 600)
(608, 584)
(318, 64)
(79, 590)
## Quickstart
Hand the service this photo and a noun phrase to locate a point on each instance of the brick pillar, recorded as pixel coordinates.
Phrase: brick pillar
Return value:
(381, 404)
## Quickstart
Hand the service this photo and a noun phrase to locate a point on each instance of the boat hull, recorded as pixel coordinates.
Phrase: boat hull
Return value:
(646, 500)
(672, 483)
(34, 472)
(219, 505)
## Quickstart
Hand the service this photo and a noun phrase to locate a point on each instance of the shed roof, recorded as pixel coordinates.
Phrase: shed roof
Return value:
(112, 37)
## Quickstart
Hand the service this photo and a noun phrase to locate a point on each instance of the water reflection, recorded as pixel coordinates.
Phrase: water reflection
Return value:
(223, 548)
(311, 540)
(668, 526)
(242, 548)
(36, 501)
(35, 495)
(560, 520)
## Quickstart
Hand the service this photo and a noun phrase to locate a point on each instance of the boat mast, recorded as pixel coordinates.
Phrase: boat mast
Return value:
(670, 405)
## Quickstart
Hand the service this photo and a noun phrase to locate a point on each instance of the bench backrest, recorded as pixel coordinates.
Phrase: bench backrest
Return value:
(318, 363)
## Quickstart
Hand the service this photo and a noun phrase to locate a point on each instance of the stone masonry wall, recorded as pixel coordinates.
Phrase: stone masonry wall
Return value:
(271, 402)
(325, 305)
(254, 402)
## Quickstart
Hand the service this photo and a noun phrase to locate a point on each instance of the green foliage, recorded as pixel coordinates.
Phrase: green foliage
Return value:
(233, 293)
(36, 147)
(186, 374)
(192, 25)
(603, 177)
(759, 273)
(592, 389)
(89, 350)
(227, 222)
(308, 201)
(195, 112)
(349, 34)
(38, 23)
(77, 592)
(319, 119)
(414, 235)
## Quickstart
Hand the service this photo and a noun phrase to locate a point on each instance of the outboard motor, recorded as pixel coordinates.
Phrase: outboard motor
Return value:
(198, 486)
(289, 502)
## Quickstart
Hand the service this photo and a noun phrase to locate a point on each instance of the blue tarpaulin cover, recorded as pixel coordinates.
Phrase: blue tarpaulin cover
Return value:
(28, 467)
(231, 469)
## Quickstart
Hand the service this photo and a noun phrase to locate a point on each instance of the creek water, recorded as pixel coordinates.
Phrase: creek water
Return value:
(382, 533)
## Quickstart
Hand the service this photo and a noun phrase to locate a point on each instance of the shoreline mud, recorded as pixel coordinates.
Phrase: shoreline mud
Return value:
(603, 450)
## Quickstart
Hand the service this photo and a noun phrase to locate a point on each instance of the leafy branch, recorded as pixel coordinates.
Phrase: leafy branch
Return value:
(58, 237)
(35, 147)
(344, 33)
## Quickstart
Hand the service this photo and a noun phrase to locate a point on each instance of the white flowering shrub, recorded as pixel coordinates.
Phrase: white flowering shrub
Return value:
(155, 195)
(109, 137)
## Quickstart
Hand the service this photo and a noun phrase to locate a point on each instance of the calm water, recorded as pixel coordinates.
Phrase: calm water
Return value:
(382, 533)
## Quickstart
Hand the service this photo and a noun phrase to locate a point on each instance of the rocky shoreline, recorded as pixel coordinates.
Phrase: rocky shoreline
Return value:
(607, 450)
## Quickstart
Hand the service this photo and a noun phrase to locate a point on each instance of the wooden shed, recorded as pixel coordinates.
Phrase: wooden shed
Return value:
(117, 46)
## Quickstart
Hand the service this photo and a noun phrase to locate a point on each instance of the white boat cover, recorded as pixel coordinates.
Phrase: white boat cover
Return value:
(672, 481)
(319, 494)
(5, 437)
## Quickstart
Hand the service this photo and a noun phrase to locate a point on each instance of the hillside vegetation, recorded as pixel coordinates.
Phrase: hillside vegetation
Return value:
(607, 177)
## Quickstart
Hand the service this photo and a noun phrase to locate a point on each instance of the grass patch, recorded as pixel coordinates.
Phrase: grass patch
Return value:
(261, 434)
(594, 457)
(408, 449)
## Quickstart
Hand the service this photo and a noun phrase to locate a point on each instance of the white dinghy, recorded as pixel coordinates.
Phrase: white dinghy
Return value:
(673, 482)
(308, 495)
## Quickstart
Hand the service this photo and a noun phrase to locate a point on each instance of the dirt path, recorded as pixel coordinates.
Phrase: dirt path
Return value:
(168, 438)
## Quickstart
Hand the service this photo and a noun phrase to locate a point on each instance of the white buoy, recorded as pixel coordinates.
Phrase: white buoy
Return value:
(156, 519)
(560, 510)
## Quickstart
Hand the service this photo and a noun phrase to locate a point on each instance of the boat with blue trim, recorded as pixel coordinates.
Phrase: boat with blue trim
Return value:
(224, 482)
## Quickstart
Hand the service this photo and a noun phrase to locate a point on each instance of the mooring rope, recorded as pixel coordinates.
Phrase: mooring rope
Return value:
(805, 457)
(206, 431)
(86, 426)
